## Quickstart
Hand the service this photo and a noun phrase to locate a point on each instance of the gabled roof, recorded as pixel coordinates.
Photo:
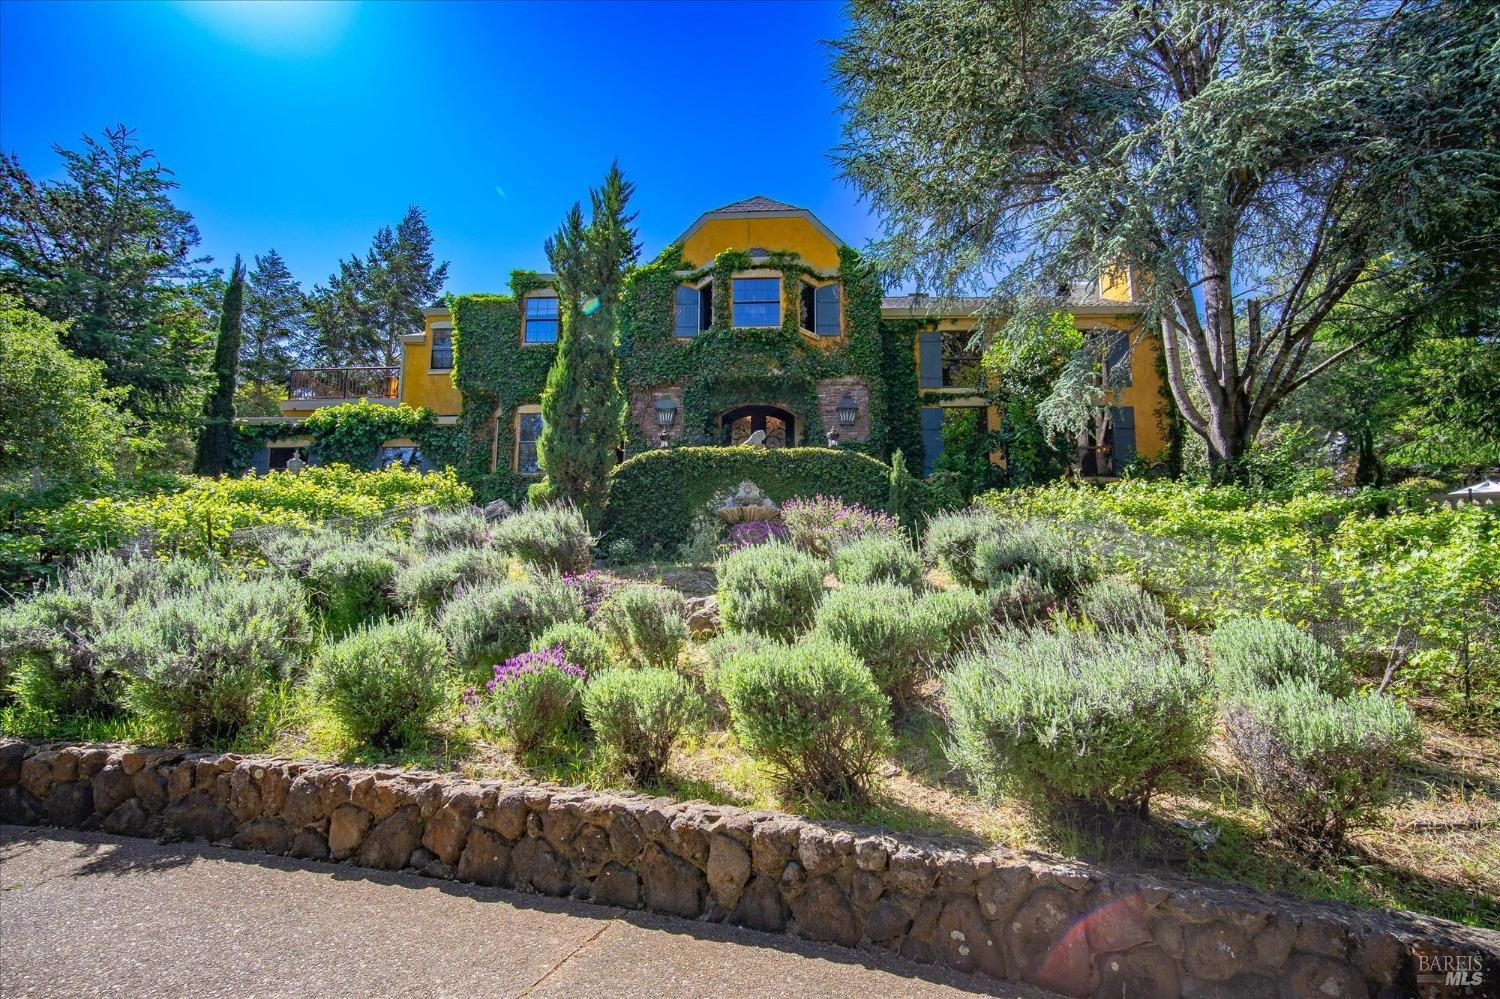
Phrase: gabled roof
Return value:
(760, 207)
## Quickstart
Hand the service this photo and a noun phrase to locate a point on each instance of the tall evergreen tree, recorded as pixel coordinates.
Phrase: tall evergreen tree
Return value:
(217, 436)
(1251, 163)
(106, 248)
(275, 333)
(583, 407)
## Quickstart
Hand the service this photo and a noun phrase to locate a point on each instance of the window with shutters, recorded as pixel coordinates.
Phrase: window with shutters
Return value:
(694, 311)
(541, 320)
(948, 359)
(528, 433)
(757, 302)
(820, 309)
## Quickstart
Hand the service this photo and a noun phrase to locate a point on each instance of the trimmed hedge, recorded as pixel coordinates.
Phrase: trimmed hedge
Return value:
(655, 495)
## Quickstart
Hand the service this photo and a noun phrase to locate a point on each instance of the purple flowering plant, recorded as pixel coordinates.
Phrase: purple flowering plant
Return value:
(593, 587)
(822, 524)
(755, 532)
(533, 698)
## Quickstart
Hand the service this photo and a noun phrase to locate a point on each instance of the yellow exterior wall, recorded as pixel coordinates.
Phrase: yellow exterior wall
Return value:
(787, 235)
(420, 385)
(1143, 393)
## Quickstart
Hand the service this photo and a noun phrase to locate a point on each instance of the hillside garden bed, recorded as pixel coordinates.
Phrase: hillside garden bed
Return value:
(999, 680)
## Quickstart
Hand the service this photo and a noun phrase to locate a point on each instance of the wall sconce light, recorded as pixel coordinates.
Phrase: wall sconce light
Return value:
(666, 412)
(848, 410)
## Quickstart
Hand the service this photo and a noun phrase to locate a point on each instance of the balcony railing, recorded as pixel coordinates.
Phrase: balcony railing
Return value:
(344, 383)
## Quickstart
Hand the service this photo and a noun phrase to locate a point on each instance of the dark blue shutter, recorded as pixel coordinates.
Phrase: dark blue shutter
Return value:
(687, 311)
(1119, 360)
(826, 310)
(1122, 420)
(930, 359)
(932, 436)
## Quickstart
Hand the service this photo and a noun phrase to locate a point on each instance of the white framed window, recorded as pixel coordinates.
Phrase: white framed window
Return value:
(541, 319)
(757, 302)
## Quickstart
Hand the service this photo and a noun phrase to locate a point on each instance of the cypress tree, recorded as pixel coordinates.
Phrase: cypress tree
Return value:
(217, 436)
(583, 407)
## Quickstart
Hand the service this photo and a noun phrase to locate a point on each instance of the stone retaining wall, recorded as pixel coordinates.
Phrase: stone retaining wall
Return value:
(1073, 928)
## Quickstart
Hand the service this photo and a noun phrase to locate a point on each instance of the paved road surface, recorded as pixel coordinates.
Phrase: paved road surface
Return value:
(85, 914)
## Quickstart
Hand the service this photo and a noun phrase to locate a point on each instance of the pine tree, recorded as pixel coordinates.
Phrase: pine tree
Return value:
(901, 502)
(275, 333)
(217, 436)
(583, 407)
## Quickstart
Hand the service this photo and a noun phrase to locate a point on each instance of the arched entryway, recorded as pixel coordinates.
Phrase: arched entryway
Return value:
(738, 424)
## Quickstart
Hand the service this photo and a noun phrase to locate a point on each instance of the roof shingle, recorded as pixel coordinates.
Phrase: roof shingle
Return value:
(758, 203)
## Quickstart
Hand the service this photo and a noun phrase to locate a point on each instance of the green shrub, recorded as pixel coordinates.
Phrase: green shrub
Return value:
(1076, 715)
(638, 715)
(880, 624)
(552, 538)
(878, 559)
(772, 588)
(655, 495)
(48, 655)
(1265, 651)
(581, 645)
(383, 681)
(645, 625)
(1318, 764)
(811, 712)
(428, 584)
(198, 662)
(955, 619)
(489, 622)
(1019, 546)
(434, 531)
(1116, 604)
(348, 579)
(824, 524)
(533, 698)
(1021, 598)
(952, 544)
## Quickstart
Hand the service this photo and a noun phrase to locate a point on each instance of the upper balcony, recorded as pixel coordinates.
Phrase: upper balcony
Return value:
(310, 388)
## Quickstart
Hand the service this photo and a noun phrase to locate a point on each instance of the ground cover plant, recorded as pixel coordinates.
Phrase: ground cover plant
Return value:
(1008, 707)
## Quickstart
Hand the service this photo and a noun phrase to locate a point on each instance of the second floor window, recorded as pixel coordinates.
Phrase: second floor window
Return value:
(442, 348)
(694, 309)
(757, 302)
(541, 320)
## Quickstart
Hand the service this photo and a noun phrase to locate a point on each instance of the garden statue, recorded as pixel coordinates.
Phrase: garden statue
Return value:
(757, 439)
(295, 464)
(748, 503)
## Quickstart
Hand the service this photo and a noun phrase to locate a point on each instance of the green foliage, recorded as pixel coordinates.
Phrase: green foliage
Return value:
(902, 498)
(953, 541)
(428, 584)
(645, 625)
(583, 407)
(1021, 597)
(56, 415)
(638, 715)
(351, 433)
(209, 517)
(553, 538)
(1116, 604)
(197, 663)
(878, 559)
(1318, 764)
(880, 624)
(773, 589)
(1073, 715)
(490, 622)
(216, 436)
(1248, 652)
(581, 645)
(811, 712)
(275, 335)
(384, 681)
(822, 525)
(1039, 548)
(1025, 362)
(965, 461)
(348, 580)
(533, 700)
(435, 531)
(955, 618)
(656, 494)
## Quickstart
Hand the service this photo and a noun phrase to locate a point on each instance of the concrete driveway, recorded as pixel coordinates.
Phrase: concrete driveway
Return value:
(91, 914)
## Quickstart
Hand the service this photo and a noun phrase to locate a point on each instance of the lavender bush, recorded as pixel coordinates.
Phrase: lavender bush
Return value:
(823, 524)
(533, 698)
(755, 532)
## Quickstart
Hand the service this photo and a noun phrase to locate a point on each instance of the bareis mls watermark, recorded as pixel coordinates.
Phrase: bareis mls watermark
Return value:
(1437, 973)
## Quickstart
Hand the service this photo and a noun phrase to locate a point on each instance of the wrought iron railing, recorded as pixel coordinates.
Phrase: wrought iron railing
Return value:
(344, 383)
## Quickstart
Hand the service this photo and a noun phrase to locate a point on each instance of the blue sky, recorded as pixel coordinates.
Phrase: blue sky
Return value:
(308, 126)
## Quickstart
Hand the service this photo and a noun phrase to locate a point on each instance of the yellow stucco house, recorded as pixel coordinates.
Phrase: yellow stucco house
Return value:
(757, 318)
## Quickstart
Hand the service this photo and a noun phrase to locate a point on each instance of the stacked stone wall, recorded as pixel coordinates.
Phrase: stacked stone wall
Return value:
(1073, 928)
